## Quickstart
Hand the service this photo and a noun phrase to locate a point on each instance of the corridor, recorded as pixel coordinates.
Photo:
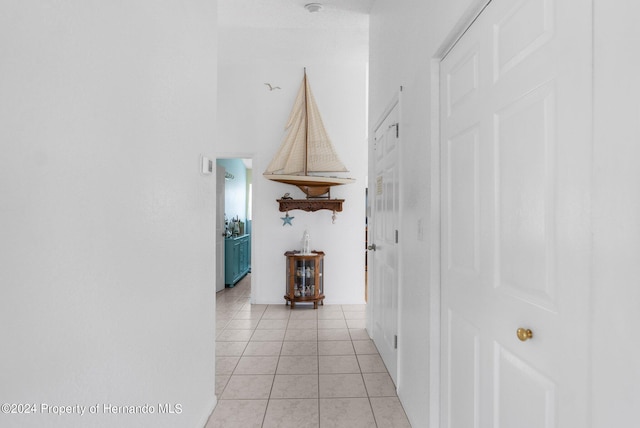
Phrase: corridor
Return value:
(277, 367)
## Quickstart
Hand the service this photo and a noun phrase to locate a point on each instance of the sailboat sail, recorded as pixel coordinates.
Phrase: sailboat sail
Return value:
(321, 156)
(306, 148)
(290, 158)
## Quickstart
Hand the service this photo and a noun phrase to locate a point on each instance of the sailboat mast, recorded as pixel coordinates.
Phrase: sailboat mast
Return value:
(306, 119)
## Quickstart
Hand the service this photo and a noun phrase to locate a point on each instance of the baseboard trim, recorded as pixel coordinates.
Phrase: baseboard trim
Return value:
(207, 415)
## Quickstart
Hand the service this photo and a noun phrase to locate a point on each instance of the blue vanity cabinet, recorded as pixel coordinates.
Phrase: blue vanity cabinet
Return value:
(236, 259)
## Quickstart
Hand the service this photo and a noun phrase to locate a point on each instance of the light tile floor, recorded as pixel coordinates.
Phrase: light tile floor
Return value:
(277, 367)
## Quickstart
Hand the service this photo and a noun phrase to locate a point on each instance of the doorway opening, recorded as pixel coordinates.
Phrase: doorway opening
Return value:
(233, 220)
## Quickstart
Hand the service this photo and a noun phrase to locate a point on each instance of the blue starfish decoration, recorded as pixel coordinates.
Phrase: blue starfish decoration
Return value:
(287, 220)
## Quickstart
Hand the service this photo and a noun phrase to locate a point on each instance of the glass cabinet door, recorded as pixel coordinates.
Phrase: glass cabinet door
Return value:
(305, 274)
(320, 284)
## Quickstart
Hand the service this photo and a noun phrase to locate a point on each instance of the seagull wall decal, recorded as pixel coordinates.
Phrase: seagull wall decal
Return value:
(271, 88)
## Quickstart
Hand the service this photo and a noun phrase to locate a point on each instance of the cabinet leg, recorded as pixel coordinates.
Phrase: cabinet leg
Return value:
(315, 305)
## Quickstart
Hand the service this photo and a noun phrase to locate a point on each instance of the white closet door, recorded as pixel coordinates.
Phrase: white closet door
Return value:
(516, 161)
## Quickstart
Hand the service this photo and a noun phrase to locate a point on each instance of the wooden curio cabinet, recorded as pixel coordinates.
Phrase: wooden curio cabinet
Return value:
(305, 281)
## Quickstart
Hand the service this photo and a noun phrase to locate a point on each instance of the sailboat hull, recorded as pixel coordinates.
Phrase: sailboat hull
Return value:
(314, 191)
(312, 186)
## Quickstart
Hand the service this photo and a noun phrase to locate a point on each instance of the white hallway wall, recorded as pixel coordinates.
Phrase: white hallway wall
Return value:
(252, 121)
(404, 37)
(106, 231)
(616, 215)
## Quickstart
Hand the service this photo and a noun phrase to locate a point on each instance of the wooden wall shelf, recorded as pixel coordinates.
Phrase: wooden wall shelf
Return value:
(310, 205)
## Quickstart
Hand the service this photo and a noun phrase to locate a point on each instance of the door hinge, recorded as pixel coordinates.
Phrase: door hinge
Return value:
(396, 236)
(397, 126)
(395, 341)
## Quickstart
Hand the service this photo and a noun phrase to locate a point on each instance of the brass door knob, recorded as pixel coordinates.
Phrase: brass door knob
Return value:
(524, 334)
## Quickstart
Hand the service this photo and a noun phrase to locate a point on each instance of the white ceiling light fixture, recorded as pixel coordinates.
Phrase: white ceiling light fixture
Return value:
(313, 7)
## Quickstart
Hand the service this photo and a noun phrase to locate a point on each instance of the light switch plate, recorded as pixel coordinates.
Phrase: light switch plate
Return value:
(207, 165)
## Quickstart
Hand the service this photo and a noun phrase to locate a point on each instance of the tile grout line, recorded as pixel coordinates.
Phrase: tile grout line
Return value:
(242, 298)
(233, 317)
(275, 373)
(366, 389)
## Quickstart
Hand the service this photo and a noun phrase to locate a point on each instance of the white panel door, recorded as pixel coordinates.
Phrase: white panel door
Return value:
(515, 167)
(383, 239)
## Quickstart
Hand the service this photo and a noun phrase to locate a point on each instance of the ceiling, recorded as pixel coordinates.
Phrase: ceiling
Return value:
(291, 14)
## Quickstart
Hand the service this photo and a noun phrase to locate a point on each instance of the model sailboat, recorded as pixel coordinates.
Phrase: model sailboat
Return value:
(306, 150)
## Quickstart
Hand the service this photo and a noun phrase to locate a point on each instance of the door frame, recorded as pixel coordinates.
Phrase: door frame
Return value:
(252, 239)
(395, 102)
(220, 240)
(435, 225)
